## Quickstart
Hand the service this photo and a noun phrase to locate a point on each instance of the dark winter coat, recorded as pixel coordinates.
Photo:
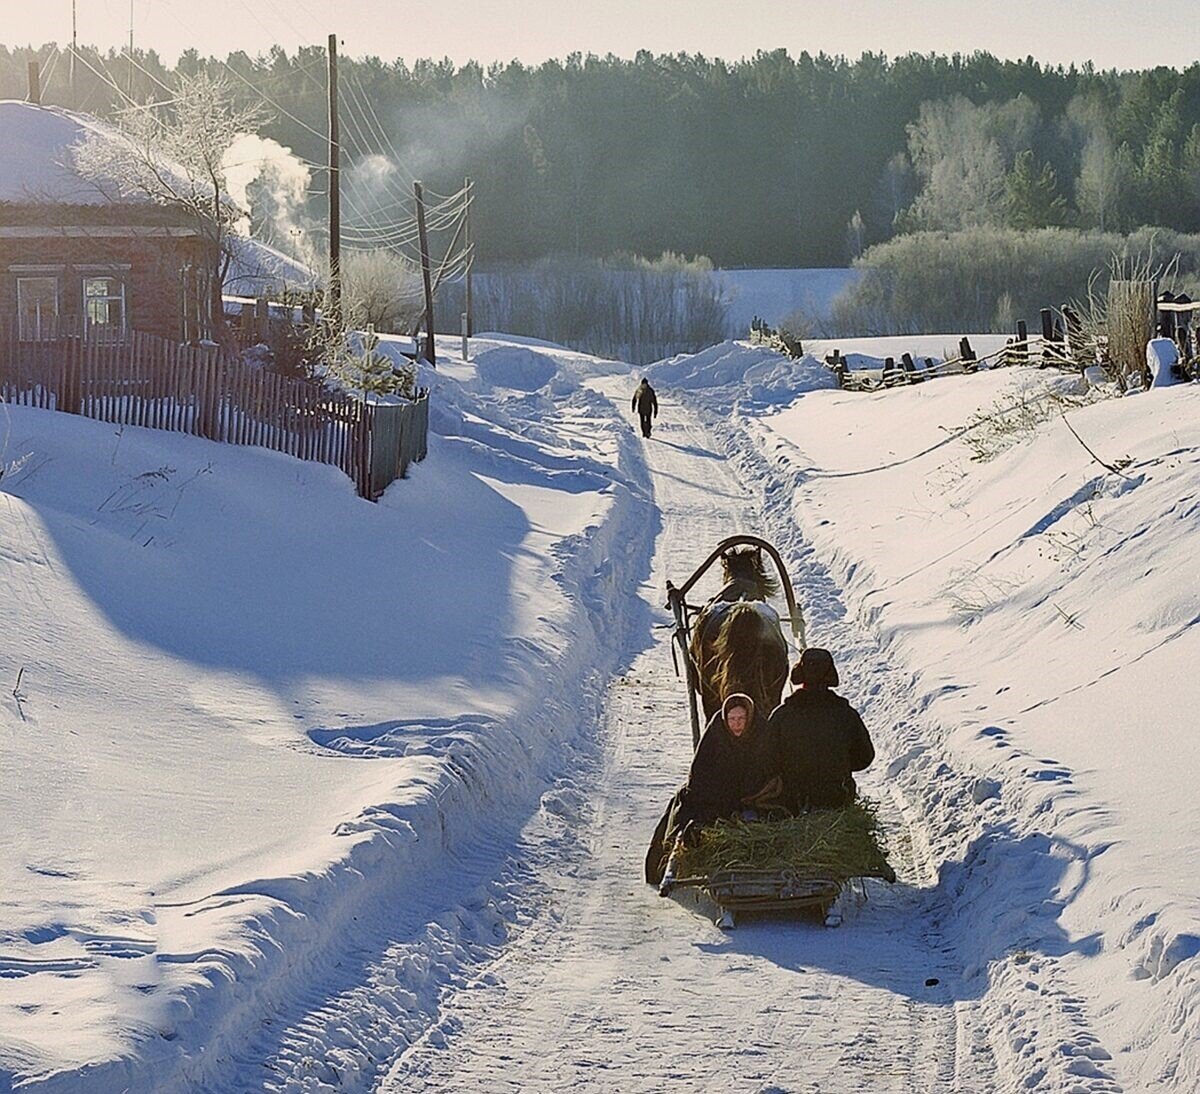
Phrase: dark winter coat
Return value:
(645, 402)
(725, 772)
(819, 740)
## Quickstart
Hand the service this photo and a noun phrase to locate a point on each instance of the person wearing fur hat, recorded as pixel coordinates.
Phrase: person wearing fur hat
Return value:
(732, 770)
(819, 738)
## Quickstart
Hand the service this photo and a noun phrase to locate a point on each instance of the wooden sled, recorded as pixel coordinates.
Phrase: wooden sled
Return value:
(749, 890)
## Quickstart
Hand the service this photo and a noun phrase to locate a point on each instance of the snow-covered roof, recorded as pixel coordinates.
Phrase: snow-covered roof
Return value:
(36, 165)
(257, 267)
(35, 168)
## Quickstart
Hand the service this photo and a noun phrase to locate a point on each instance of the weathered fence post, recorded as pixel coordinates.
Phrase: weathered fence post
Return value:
(837, 362)
(966, 355)
(1049, 338)
(1021, 349)
(1183, 335)
(1076, 345)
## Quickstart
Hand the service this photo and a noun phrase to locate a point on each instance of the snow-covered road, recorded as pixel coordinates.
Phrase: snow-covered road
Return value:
(354, 856)
(611, 988)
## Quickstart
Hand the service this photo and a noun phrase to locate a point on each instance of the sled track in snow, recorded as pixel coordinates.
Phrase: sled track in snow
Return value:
(545, 963)
(612, 988)
(1014, 1032)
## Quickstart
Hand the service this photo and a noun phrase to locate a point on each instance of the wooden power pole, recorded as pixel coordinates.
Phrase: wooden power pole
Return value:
(430, 349)
(469, 198)
(74, 50)
(335, 202)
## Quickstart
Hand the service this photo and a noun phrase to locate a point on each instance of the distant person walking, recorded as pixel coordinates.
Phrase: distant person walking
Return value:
(645, 402)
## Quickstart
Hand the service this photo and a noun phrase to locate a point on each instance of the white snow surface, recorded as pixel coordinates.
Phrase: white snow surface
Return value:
(517, 367)
(256, 267)
(740, 370)
(255, 708)
(775, 295)
(1161, 357)
(759, 376)
(1046, 608)
(315, 795)
(38, 143)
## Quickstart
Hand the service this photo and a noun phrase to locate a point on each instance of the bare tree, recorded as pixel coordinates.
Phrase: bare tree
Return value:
(171, 154)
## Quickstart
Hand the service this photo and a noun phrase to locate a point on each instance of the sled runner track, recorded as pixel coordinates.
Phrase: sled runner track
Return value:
(1014, 1032)
(612, 988)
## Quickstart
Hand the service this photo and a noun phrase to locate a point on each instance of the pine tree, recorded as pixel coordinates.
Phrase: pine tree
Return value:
(1031, 196)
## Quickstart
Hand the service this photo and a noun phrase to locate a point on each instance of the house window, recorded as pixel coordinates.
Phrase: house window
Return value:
(104, 302)
(37, 305)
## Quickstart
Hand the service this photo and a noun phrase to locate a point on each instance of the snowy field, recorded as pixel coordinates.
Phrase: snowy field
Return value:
(774, 295)
(309, 794)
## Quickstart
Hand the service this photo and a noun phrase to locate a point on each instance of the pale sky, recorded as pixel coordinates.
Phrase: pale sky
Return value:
(1119, 33)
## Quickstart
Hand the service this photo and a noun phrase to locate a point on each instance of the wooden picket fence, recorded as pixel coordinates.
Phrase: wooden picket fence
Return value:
(132, 378)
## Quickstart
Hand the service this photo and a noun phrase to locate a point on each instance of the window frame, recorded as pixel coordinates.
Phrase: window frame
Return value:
(110, 276)
(24, 334)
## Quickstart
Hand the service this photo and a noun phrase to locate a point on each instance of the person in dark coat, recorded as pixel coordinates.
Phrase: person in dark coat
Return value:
(645, 402)
(731, 770)
(818, 737)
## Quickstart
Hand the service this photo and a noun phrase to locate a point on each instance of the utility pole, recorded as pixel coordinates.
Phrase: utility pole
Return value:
(74, 50)
(334, 300)
(131, 49)
(430, 349)
(470, 197)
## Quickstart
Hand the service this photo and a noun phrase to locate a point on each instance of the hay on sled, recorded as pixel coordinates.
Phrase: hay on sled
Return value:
(838, 844)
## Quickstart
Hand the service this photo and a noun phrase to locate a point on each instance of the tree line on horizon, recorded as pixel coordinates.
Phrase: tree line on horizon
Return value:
(773, 160)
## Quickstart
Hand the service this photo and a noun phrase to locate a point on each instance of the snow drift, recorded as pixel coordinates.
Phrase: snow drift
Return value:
(255, 710)
(516, 367)
(1048, 607)
(739, 370)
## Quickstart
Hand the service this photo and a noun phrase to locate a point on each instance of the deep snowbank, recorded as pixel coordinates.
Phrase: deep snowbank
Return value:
(756, 377)
(256, 711)
(1047, 609)
(732, 371)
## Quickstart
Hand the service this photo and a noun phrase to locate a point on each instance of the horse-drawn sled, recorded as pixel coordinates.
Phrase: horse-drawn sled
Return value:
(764, 859)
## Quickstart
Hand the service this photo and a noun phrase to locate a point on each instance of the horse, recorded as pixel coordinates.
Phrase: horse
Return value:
(738, 644)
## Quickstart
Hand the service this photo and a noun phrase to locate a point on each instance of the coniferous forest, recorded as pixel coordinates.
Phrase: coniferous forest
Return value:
(776, 160)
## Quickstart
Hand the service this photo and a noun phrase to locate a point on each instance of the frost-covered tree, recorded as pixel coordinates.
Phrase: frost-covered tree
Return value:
(962, 152)
(855, 236)
(1105, 180)
(382, 290)
(894, 193)
(172, 154)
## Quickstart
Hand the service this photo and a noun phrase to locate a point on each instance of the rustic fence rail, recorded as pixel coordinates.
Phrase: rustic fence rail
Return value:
(132, 378)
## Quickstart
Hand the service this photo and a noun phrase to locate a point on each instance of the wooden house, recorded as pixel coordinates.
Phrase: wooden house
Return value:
(73, 255)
